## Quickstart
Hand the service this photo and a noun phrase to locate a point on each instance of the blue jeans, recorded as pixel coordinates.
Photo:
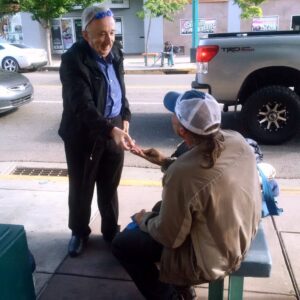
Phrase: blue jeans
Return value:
(169, 56)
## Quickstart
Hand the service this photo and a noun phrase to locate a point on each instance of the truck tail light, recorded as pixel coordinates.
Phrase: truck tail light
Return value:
(206, 53)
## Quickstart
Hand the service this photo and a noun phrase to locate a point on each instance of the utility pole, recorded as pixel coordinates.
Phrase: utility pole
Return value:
(195, 38)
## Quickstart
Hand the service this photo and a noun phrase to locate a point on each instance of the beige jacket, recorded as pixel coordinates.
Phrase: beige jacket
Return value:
(208, 217)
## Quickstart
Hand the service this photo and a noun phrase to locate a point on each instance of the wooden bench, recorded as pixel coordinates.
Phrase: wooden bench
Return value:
(154, 55)
(257, 263)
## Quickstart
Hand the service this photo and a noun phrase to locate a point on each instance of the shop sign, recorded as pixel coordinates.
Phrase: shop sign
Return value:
(265, 23)
(204, 26)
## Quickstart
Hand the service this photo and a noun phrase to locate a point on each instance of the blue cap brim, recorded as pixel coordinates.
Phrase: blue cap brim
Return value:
(170, 101)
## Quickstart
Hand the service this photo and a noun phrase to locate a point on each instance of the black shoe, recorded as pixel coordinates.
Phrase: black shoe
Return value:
(109, 237)
(76, 245)
(186, 292)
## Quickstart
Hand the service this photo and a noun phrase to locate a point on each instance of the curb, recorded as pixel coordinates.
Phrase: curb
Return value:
(140, 71)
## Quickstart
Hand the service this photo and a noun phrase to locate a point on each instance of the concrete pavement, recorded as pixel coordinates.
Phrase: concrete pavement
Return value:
(40, 204)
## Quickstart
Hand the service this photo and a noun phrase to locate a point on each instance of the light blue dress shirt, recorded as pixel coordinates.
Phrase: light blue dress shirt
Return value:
(114, 93)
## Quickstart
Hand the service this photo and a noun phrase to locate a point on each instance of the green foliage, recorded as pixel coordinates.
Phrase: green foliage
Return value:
(250, 8)
(43, 10)
(161, 8)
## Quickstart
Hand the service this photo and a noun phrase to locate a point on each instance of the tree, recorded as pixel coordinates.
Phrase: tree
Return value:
(250, 8)
(159, 8)
(43, 11)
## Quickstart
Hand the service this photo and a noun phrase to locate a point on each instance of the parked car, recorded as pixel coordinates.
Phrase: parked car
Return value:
(15, 57)
(15, 90)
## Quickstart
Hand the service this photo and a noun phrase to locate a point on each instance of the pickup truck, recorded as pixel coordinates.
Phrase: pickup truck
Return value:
(259, 71)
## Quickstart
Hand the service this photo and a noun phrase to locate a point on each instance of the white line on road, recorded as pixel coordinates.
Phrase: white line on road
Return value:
(138, 87)
(60, 102)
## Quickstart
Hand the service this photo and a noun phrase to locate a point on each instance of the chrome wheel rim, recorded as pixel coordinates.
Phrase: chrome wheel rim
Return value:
(273, 116)
(10, 65)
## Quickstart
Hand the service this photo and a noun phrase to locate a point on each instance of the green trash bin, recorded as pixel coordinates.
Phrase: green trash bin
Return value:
(15, 273)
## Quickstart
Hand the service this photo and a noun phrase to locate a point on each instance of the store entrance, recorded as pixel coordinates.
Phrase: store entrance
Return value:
(66, 31)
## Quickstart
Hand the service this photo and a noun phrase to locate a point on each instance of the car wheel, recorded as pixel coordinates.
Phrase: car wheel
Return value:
(271, 114)
(10, 64)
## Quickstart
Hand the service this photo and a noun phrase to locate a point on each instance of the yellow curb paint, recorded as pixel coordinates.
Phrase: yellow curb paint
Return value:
(124, 182)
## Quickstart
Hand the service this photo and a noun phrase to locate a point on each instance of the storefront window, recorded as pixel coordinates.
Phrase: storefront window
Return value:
(56, 35)
(117, 3)
(295, 23)
(119, 30)
(66, 31)
(11, 28)
(77, 26)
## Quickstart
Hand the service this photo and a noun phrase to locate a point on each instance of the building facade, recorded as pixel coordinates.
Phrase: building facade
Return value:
(129, 28)
(214, 16)
(218, 16)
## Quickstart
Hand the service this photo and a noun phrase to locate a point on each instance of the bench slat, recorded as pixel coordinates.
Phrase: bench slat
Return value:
(258, 262)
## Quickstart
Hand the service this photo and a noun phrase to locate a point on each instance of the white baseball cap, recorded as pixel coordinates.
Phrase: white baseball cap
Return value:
(198, 112)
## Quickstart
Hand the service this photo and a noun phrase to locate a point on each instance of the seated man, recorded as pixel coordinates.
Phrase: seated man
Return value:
(210, 210)
(168, 53)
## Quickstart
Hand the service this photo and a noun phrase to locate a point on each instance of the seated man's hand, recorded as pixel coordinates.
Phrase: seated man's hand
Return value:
(138, 217)
(152, 155)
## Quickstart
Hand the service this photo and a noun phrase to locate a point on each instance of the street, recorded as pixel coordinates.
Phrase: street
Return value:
(30, 132)
(29, 135)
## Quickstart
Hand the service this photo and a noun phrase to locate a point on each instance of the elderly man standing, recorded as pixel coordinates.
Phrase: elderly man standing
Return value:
(94, 125)
(210, 209)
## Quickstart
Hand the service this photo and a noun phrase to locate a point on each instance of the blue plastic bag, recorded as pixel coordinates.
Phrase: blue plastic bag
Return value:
(269, 203)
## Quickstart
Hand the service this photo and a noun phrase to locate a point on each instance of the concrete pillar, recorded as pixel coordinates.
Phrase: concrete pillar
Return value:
(234, 20)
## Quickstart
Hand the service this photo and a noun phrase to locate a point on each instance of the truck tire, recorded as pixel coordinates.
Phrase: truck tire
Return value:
(272, 114)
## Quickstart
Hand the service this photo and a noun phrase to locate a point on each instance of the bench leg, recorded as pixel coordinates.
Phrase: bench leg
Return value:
(215, 290)
(158, 57)
(235, 288)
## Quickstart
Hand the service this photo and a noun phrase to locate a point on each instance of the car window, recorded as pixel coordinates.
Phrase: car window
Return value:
(19, 46)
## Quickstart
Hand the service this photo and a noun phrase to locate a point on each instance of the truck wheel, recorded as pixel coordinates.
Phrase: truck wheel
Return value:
(272, 114)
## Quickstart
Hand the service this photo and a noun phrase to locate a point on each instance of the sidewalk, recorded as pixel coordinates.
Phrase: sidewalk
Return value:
(40, 204)
(134, 64)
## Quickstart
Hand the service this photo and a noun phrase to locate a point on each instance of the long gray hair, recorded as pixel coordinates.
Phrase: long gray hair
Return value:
(213, 145)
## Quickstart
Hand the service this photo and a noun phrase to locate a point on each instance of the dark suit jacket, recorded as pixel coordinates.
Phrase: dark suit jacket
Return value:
(84, 95)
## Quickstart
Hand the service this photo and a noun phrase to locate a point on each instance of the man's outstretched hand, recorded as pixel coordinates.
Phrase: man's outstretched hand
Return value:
(152, 154)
